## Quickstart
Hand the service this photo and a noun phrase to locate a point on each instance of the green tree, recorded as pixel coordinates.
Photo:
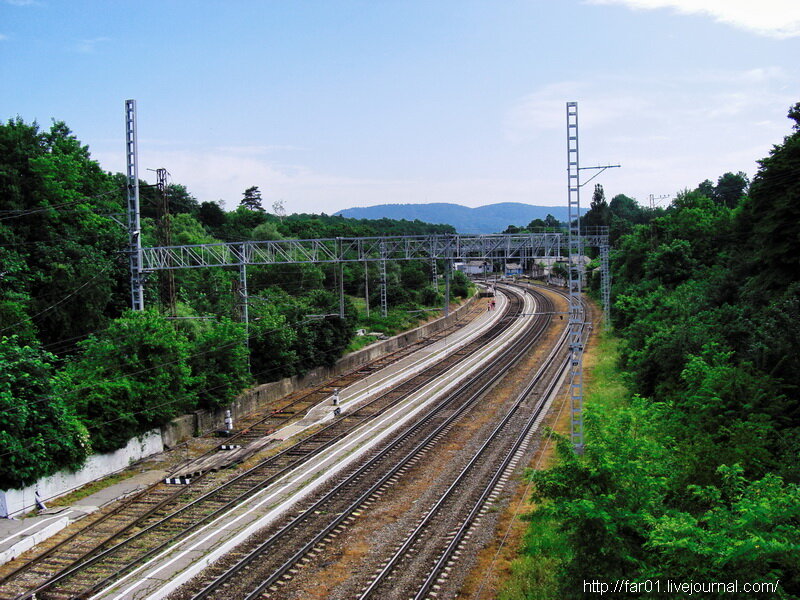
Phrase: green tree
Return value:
(599, 213)
(211, 215)
(772, 213)
(218, 359)
(551, 222)
(39, 432)
(731, 189)
(131, 377)
(56, 199)
(252, 199)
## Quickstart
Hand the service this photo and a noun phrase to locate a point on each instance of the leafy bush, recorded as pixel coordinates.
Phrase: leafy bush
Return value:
(39, 432)
(131, 377)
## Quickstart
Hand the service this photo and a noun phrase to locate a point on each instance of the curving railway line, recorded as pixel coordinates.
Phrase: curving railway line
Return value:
(74, 571)
(267, 562)
(116, 551)
(135, 512)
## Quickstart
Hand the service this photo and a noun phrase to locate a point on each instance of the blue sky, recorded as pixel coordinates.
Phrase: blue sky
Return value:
(331, 104)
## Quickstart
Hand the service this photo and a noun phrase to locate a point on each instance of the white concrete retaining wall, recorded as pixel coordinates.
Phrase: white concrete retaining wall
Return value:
(16, 502)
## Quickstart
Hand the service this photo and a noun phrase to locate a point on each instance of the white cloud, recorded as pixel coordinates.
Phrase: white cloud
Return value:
(774, 18)
(22, 2)
(88, 46)
(667, 133)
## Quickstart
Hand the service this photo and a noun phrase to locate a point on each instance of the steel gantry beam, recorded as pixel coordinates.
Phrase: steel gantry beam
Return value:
(371, 249)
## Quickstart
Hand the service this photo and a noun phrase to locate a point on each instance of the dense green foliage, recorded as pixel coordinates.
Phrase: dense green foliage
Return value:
(80, 375)
(39, 431)
(696, 477)
(56, 238)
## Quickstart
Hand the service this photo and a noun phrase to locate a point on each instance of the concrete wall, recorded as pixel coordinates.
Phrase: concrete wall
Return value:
(15, 502)
(202, 421)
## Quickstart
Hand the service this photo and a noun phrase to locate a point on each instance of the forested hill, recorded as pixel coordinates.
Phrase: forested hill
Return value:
(492, 218)
(80, 373)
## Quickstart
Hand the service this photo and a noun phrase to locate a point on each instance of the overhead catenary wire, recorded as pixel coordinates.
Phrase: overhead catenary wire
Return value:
(25, 212)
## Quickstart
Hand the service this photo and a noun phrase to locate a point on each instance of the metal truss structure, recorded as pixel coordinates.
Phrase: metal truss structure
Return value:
(448, 248)
(368, 249)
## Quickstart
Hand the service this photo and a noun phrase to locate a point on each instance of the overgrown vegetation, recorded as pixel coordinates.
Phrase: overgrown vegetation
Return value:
(79, 373)
(695, 476)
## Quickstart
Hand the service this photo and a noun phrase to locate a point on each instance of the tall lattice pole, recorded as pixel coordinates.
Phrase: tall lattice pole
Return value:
(384, 307)
(366, 287)
(447, 268)
(605, 285)
(576, 313)
(244, 299)
(134, 224)
(341, 290)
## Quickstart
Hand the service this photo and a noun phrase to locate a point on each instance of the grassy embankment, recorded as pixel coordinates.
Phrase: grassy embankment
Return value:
(397, 320)
(534, 574)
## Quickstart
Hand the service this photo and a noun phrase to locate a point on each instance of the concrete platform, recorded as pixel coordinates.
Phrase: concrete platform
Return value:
(19, 535)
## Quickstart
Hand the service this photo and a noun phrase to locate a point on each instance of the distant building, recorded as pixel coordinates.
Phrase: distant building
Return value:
(474, 267)
(513, 269)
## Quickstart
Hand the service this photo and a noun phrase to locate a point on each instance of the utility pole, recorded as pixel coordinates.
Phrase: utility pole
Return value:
(244, 301)
(447, 267)
(166, 277)
(654, 200)
(341, 290)
(134, 224)
(605, 286)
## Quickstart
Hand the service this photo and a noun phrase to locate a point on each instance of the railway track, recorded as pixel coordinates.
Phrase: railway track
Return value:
(420, 564)
(73, 571)
(265, 562)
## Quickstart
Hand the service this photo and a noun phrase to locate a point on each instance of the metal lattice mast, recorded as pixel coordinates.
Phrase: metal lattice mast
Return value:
(134, 225)
(576, 315)
(447, 267)
(341, 290)
(605, 285)
(366, 287)
(434, 275)
(384, 307)
(244, 301)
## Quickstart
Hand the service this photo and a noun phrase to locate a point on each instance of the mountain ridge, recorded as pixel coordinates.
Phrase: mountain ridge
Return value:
(491, 218)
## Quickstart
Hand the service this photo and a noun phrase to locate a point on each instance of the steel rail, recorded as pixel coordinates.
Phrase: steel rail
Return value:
(451, 548)
(152, 507)
(504, 360)
(403, 550)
